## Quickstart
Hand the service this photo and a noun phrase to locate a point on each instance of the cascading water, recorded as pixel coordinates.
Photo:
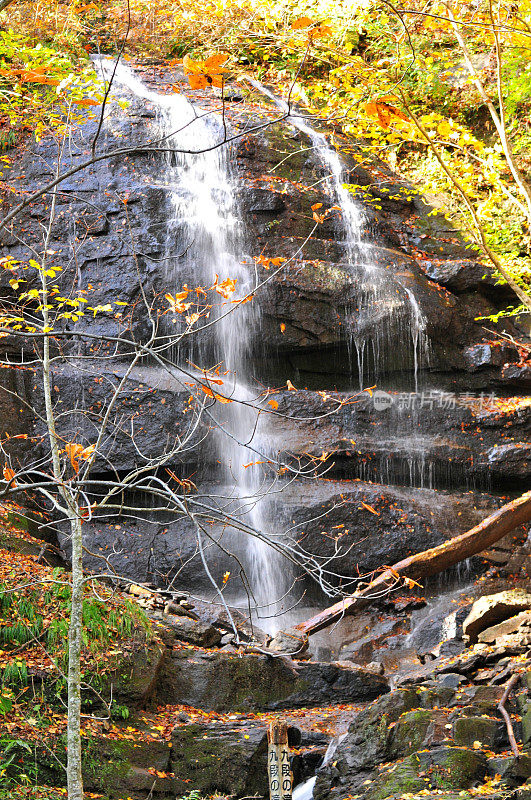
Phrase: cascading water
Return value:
(205, 246)
(387, 316)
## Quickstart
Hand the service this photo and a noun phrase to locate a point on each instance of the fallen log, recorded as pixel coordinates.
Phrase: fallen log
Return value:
(429, 562)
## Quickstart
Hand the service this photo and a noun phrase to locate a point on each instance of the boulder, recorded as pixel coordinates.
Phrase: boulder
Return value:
(518, 627)
(443, 768)
(459, 275)
(416, 730)
(290, 641)
(490, 354)
(512, 770)
(220, 759)
(365, 746)
(221, 681)
(493, 609)
(193, 631)
(467, 730)
(136, 680)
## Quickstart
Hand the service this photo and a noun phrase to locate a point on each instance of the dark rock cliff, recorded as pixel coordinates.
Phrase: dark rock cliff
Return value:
(111, 238)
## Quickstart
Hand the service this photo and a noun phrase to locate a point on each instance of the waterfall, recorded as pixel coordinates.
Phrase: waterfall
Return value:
(387, 317)
(205, 244)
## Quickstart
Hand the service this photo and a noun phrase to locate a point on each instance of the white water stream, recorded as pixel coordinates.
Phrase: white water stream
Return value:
(387, 318)
(205, 243)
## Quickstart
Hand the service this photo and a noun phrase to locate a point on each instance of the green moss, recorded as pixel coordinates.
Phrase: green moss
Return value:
(410, 732)
(451, 768)
(401, 778)
(105, 764)
(467, 730)
(443, 769)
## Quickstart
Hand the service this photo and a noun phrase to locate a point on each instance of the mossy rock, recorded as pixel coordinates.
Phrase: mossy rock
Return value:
(401, 778)
(220, 759)
(436, 697)
(512, 770)
(467, 730)
(104, 764)
(526, 726)
(113, 767)
(136, 679)
(450, 768)
(444, 768)
(410, 732)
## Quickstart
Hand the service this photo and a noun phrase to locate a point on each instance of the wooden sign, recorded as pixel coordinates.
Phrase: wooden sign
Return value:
(278, 766)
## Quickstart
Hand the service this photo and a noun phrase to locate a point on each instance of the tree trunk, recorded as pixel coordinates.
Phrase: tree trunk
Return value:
(429, 562)
(75, 640)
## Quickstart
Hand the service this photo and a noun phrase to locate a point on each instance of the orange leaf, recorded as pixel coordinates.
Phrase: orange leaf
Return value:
(273, 404)
(323, 29)
(215, 395)
(225, 288)
(282, 327)
(198, 81)
(176, 303)
(244, 299)
(73, 451)
(213, 63)
(370, 508)
(9, 474)
(301, 22)
(190, 65)
(290, 386)
(316, 206)
(213, 379)
(87, 102)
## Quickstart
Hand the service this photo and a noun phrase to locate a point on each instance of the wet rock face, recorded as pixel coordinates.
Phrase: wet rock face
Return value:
(111, 234)
(375, 524)
(111, 226)
(401, 522)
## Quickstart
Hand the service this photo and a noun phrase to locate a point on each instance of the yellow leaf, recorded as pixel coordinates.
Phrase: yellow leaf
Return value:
(444, 128)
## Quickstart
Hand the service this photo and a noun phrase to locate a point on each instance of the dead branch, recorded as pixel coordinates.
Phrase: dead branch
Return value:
(429, 562)
(503, 711)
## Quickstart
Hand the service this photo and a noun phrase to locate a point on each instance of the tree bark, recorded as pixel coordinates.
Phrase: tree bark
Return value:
(75, 641)
(429, 562)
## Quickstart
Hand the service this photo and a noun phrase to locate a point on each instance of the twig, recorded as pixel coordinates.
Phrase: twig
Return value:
(503, 711)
